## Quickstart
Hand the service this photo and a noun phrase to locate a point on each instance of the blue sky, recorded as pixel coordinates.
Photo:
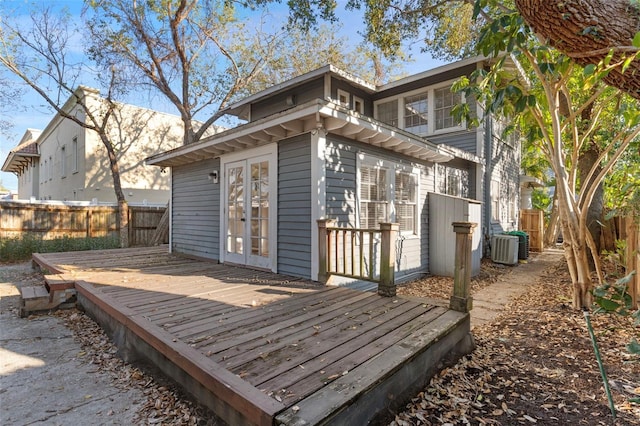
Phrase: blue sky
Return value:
(32, 113)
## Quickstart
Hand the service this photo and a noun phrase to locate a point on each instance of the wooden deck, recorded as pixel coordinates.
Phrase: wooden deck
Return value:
(263, 348)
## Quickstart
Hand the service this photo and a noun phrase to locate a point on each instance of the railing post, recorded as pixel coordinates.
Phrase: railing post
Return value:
(387, 285)
(461, 300)
(323, 249)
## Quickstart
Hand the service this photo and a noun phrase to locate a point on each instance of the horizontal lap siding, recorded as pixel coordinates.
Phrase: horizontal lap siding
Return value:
(411, 251)
(341, 183)
(196, 210)
(294, 206)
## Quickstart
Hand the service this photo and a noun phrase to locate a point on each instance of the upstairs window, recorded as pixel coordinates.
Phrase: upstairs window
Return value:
(416, 109)
(343, 98)
(74, 154)
(445, 100)
(63, 161)
(422, 112)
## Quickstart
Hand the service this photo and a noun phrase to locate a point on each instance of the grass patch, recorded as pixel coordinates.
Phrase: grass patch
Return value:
(21, 248)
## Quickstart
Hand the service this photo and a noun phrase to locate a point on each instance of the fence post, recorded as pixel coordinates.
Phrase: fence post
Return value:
(461, 300)
(323, 249)
(387, 286)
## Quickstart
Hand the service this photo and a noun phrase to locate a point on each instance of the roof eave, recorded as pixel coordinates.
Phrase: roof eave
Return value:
(302, 119)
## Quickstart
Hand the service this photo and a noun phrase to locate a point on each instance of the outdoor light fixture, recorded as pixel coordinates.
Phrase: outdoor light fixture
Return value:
(213, 176)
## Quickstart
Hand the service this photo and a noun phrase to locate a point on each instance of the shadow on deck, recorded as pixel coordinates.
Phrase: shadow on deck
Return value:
(262, 348)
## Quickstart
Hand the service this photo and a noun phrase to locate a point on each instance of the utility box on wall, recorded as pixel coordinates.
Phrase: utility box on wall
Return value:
(443, 211)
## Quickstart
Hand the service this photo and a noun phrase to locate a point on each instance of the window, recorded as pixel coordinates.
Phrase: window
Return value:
(422, 111)
(495, 201)
(373, 196)
(358, 105)
(388, 192)
(74, 154)
(63, 161)
(388, 113)
(416, 108)
(513, 207)
(405, 201)
(343, 98)
(445, 100)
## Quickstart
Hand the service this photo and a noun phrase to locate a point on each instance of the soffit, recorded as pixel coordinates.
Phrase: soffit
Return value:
(314, 115)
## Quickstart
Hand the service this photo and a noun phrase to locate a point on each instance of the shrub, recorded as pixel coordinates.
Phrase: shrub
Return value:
(21, 248)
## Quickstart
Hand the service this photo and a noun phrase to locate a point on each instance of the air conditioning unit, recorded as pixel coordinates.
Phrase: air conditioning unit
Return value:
(504, 249)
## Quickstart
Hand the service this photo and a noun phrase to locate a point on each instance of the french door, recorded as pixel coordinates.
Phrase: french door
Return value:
(248, 221)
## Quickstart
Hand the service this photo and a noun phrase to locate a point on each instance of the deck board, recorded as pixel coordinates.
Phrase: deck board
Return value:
(259, 342)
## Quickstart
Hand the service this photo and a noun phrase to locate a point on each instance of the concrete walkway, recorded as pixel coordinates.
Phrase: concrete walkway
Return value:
(489, 302)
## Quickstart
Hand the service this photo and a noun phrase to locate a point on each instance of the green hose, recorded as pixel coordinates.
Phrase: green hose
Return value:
(600, 365)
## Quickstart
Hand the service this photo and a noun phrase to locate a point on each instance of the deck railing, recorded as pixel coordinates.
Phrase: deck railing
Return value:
(364, 254)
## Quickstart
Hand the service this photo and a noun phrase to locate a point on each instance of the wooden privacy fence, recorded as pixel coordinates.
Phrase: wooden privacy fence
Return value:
(49, 221)
(532, 222)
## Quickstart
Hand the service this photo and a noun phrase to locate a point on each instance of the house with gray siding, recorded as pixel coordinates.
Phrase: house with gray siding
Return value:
(327, 144)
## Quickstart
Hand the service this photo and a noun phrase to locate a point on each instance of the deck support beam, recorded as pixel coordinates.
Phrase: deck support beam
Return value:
(461, 301)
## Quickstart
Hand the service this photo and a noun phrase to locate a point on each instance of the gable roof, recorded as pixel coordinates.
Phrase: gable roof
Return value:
(316, 114)
(239, 108)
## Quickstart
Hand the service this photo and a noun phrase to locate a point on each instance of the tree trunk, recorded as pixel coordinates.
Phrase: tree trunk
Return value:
(123, 207)
(595, 211)
(551, 233)
(587, 30)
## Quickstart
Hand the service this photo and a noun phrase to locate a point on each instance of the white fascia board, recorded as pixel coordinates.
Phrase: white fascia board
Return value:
(434, 71)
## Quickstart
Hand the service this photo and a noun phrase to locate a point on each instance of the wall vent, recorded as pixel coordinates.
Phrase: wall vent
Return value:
(504, 249)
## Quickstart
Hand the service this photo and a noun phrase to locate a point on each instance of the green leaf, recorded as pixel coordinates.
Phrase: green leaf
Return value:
(636, 40)
(589, 69)
(607, 304)
(634, 347)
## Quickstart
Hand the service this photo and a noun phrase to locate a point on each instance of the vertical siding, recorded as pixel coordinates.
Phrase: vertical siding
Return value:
(196, 210)
(443, 211)
(294, 206)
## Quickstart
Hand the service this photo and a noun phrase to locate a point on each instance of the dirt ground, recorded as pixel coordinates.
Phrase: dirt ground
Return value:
(534, 363)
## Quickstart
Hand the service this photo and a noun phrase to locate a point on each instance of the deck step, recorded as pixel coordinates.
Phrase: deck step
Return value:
(56, 293)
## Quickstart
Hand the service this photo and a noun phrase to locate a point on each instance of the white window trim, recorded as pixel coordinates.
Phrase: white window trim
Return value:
(431, 107)
(496, 217)
(63, 161)
(75, 157)
(347, 95)
(392, 167)
(357, 99)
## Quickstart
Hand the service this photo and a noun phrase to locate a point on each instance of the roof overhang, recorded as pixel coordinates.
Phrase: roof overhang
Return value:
(16, 162)
(314, 115)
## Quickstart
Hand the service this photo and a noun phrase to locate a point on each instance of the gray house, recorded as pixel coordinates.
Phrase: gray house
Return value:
(328, 145)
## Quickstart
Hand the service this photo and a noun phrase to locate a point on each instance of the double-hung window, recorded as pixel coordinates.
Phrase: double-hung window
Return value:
(374, 198)
(416, 110)
(388, 192)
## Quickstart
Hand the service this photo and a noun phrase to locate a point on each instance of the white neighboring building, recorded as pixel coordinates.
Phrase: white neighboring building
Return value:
(68, 162)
